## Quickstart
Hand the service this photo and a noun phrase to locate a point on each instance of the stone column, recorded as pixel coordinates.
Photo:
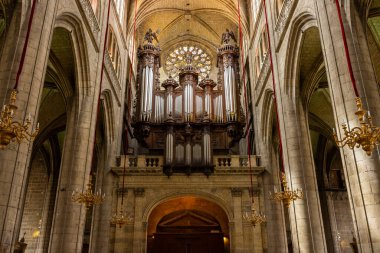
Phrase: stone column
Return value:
(237, 240)
(275, 225)
(69, 217)
(305, 214)
(100, 234)
(361, 171)
(15, 158)
(139, 236)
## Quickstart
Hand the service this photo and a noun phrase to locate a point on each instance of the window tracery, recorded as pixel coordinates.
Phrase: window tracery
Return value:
(113, 51)
(188, 54)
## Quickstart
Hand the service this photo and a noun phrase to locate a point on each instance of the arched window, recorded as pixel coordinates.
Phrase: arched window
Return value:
(113, 51)
(120, 6)
(191, 54)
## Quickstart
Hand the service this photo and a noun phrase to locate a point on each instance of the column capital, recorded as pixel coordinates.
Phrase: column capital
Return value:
(139, 192)
(236, 192)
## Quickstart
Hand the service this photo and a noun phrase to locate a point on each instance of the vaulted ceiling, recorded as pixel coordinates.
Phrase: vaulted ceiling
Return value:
(200, 22)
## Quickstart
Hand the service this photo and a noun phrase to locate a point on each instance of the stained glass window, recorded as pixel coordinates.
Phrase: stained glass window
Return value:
(184, 55)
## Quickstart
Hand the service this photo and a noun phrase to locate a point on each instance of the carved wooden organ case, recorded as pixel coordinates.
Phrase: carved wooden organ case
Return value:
(188, 121)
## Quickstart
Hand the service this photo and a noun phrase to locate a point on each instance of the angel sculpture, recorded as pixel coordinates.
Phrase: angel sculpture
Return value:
(227, 36)
(150, 35)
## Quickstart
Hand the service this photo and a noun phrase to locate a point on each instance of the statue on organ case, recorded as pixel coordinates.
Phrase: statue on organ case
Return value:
(227, 36)
(150, 35)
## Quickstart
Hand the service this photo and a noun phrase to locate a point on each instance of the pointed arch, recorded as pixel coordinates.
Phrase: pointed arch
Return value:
(74, 26)
(299, 25)
(267, 115)
(108, 115)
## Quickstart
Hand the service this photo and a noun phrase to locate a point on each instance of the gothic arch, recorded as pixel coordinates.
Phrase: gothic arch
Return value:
(55, 72)
(267, 115)
(210, 197)
(108, 115)
(299, 25)
(72, 24)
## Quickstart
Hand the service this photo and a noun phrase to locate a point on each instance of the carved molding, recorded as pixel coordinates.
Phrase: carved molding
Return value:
(283, 16)
(114, 80)
(263, 72)
(236, 192)
(139, 192)
(89, 13)
(283, 20)
(122, 190)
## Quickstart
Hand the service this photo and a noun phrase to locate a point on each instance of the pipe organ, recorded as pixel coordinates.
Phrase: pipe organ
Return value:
(189, 120)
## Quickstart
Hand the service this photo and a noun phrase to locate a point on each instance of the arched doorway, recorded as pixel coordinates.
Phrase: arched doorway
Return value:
(188, 224)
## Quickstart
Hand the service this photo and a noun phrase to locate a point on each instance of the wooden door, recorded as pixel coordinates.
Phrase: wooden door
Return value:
(188, 243)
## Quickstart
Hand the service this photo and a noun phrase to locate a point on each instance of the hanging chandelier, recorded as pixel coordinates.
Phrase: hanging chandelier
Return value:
(253, 217)
(120, 218)
(286, 196)
(88, 197)
(366, 135)
(11, 130)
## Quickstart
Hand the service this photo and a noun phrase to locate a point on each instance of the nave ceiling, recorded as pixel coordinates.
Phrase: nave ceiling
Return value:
(183, 22)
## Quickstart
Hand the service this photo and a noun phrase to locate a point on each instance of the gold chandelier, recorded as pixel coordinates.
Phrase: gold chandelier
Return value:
(120, 219)
(88, 198)
(287, 195)
(13, 130)
(366, 135)
(253, 217)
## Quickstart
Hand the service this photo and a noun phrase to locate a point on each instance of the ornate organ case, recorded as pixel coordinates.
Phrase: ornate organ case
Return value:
(188, 121)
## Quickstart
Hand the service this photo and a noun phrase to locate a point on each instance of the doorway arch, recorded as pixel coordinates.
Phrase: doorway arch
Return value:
(188, 224)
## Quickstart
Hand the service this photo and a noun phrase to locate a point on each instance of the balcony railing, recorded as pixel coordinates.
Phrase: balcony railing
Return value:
(228, 164)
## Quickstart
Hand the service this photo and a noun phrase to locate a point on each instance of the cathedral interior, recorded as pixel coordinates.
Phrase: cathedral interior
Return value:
(189, 126)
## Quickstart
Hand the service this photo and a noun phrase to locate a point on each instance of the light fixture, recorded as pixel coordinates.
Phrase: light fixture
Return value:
(13, 130)
(253, 217)
(120, 218)
(366, 135)
(286, 196)
(37, 232)
(88, 198)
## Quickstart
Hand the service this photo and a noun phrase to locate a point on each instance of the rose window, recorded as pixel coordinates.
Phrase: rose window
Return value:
(188, 55)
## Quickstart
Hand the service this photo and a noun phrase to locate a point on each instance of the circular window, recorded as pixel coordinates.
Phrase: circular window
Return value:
(188, 55)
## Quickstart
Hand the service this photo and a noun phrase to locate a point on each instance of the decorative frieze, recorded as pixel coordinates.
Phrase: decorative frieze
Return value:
(283, 16)
(90, 16)
(111, 73)
(264, 72)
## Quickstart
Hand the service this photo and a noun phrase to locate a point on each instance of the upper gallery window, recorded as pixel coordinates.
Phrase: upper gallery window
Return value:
(188, 54)
(113, 51)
